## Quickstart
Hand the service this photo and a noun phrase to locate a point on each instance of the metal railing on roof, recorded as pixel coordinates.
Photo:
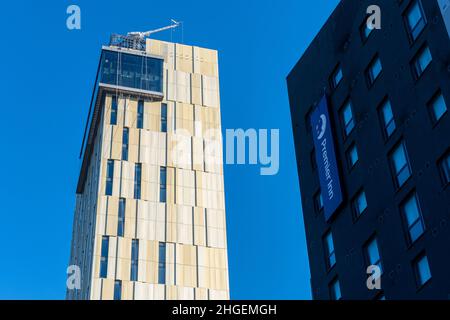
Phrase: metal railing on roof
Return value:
(128, 42)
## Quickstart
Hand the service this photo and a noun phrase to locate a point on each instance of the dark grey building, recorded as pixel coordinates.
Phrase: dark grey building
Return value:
(386, 92)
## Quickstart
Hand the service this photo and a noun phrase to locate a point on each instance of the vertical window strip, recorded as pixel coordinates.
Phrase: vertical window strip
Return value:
(140, 115)
(134, 259)
(125, 142)
(121, 218)
(137, 180)
(162, 263)
(109, 178)
(104, 257)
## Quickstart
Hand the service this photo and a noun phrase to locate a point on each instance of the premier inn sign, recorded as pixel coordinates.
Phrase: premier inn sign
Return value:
(326, 159)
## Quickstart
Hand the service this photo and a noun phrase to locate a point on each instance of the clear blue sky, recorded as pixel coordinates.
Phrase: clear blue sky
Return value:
(47, 80)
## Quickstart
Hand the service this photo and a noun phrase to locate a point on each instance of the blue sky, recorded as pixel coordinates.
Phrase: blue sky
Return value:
(48, 74)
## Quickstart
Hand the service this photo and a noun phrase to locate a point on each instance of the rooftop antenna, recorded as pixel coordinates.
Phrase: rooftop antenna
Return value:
(143, 35)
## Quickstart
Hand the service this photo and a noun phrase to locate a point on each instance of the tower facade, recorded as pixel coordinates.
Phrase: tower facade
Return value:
(370, 120)
(150, 210)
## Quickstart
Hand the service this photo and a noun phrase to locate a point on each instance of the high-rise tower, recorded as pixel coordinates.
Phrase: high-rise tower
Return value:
(150, 211)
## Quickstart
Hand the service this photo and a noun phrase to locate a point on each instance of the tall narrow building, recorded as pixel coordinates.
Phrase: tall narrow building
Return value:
(371, 126)
(150, 210)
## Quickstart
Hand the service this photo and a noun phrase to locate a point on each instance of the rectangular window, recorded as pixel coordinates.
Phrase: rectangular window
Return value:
(134, 259)
(400, 165)
(336, 77)
(380, 297)
(365, 30)
(318, 201)
(308, 121)
(162, 263)
(374, 70)
(164, 117)
(360, 204)
(415, 20)
(413, 218)
(421, 62)
(114, 110)
(437, 107)
(347, 118)
(125, 141)
(121, 218)
(445, 168)
(387, 119)
(372, 254)
(162, 184)
(335, 290)
(109, 177)
(313, 159)
(140, 115)
(117, 290)
(137, 180)
(104, 257)
(329, 250)
(352, 156)
(422, 270)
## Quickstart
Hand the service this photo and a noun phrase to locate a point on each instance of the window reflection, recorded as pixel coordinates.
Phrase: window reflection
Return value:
(133, 71)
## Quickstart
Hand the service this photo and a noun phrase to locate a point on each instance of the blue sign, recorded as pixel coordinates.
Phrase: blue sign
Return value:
(326, 159)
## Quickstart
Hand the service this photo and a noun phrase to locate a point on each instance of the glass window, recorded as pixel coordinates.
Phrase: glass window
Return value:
(422, 269)
(352, 156)
(140, 115)
(114, 110)
(374, 70)
(121, 218)
(335, 290)
(347, 118)
(360, 203)
(437, 107)
(117, 290)
(373, 254)
(134, 259)
(421, 61)
(109, 178)
(313, 159)
(445, 168)
(162, 263)
(329, 250)
(162, 184)
(336, 77)
(308, 121)
(104, 257)
(400, 165)
(163, 117)
(387, 118)
(137, 180)
(318, 201)
(413, 218)
(125, 140)
(381, 297)
(415, 19)
(133, 71)
(365, 30)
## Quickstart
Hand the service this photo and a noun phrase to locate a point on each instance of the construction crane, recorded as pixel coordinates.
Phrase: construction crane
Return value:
(143, 35)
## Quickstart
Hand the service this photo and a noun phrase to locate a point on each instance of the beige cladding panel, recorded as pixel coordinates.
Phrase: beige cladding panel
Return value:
(184, 58)
(196, 89)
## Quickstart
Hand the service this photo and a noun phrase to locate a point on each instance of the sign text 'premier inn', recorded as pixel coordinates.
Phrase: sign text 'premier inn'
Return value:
(326, 159)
